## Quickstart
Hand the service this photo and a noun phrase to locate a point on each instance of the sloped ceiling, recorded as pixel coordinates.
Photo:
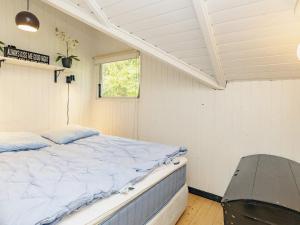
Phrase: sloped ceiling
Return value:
(213, 40)
(256, 39)
(171, 25)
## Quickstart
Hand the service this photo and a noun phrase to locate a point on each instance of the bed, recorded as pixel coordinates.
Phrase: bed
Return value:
(123, 208)
(98, 180)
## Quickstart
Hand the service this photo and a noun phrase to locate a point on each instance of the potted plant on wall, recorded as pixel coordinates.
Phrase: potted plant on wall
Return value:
(71, 45)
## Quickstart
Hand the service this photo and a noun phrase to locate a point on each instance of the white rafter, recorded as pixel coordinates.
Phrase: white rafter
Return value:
(96, 9)
(208, 33)
(130, 39)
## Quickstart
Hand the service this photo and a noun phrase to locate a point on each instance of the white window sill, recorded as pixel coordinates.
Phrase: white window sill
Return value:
(118, 99)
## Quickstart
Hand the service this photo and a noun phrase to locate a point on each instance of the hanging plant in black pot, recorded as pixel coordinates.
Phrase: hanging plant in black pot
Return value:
(71, 45)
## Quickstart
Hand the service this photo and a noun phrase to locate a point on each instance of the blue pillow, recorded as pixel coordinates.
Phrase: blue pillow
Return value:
(69, 134)
(20, 141)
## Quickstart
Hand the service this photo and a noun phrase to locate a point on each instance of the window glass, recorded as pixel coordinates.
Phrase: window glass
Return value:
(120, 78)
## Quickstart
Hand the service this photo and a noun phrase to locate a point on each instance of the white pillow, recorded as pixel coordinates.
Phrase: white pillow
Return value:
(69, 134)
(19, 141)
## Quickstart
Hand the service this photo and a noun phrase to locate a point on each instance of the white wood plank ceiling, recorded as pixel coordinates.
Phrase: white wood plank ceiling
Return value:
(171, 25)
(214, 40)
(256, 39)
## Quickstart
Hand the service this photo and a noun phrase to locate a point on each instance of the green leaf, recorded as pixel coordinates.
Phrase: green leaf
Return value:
(1, 49)
(59, 54)
(74, 57)
(2, 43)
(58, 58)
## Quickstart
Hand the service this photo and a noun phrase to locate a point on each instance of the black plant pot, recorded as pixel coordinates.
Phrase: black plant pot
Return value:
(66, 62)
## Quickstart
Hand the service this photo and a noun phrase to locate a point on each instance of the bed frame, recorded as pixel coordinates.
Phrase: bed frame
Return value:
(171, 213)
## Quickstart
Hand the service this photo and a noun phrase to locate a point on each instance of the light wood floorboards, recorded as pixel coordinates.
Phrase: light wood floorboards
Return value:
(201, 211)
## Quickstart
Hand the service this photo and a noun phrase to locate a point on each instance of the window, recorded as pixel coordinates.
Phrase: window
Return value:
(120, 78)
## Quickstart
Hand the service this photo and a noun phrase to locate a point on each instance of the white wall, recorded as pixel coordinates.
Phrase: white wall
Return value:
(116, 117)
(218, 127)
(29, 99)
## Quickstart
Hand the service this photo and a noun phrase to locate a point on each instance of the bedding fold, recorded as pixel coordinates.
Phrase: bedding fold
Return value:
(40, 187)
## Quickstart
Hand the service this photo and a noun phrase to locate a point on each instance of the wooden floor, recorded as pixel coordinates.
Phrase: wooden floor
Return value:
(201, 211)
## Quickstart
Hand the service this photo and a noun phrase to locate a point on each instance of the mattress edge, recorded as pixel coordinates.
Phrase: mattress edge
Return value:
(89, 215)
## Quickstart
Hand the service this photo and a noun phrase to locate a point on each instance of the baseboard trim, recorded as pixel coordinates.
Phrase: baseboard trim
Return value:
(205, 194)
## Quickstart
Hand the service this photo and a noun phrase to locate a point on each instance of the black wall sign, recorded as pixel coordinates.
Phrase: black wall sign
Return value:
(13, 52)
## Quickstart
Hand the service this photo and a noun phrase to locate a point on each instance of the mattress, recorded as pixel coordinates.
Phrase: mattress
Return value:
(143, 208)
(136, 206)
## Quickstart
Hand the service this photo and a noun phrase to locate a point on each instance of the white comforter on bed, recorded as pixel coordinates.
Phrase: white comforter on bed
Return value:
(40, 187)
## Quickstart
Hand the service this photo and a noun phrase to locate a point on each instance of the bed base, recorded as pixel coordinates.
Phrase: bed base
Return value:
(170, 214)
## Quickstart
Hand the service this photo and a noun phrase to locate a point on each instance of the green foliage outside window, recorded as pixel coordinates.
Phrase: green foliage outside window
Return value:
(121, 78)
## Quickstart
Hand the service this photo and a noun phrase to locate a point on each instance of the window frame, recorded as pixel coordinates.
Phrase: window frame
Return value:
(116, 58)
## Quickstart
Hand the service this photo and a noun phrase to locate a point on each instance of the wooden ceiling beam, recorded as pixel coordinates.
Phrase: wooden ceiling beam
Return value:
(96, 9)
(210, 40)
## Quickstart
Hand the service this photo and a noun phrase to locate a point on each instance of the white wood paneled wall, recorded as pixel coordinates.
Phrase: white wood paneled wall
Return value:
(218, 127)
(29, 99)
(116, 117)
